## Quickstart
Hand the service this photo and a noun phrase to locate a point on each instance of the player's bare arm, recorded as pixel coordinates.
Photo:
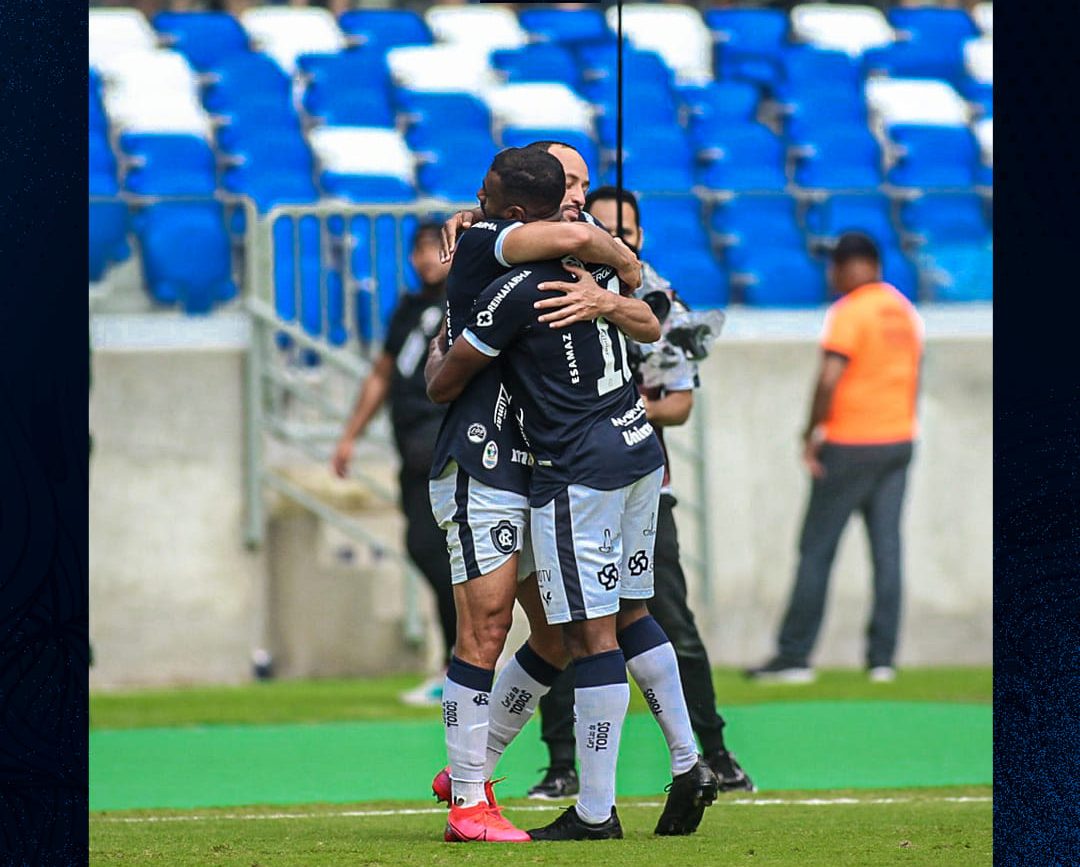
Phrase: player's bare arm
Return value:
(448, 376)
(584, 299)
(535, 242)
(671, 410)
(453, 229)
(372, 396)
(832, 368)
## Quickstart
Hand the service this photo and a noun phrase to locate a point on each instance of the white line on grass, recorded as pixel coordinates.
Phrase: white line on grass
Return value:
(352, 814)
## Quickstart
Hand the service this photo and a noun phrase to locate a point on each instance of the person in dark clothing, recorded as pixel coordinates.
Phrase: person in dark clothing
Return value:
(668, 404)
(398, 376)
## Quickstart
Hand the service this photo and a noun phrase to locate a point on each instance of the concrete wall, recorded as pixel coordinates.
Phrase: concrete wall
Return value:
(175, 596)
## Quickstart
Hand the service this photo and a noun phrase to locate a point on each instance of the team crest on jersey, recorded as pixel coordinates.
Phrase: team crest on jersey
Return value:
(504, 537)
(491, 455)
(476, 433)
(608, 576)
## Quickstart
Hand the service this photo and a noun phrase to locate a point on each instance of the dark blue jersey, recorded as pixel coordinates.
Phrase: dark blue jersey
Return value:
(479, 431)
(577, 403)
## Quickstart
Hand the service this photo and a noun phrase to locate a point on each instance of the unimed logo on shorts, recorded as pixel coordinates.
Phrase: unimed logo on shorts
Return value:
(449, 713)
(598, 736)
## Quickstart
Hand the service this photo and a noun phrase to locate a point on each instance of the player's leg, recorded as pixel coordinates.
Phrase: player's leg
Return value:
(560, 778)
(882, 513)
(670, 606)
(578, 574)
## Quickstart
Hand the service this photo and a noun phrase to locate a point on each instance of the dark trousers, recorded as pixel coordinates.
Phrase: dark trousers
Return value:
(669, 607)
(870, 480)
(424, 541)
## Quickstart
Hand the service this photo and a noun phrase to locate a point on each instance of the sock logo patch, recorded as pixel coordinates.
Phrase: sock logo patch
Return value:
(609, 576)
(515, 700)
(598, 736)
(638, 563)
(653, 702)
(480, 699)
(449, 714)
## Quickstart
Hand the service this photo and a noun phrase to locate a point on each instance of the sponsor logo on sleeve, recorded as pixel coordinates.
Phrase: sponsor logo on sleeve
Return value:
(490, 459)
(476, 433)
(502, 405)
(484, 319)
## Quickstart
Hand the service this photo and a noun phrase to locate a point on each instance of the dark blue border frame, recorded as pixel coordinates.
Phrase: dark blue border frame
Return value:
(1036, 440)
(43, 435)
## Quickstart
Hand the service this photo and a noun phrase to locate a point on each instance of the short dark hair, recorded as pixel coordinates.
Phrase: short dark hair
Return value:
(612, 194)
(531, 178)
(855, 245)
(426, 227)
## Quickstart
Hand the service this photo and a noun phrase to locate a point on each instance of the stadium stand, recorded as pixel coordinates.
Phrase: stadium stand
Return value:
(786, 127)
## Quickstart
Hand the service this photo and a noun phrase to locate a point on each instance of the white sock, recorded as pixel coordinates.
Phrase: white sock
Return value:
(651, 660)
(517, 691)
(601, 696)
(466, 702)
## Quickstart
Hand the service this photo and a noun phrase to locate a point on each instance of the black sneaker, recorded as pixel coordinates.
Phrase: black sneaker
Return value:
(732, 777)
(778, 671)
(570, 827)
(557, 783)
(688, 796)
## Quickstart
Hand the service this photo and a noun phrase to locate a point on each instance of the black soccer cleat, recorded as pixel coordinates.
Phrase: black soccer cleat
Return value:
(570, 827)
(688, 796)
(728, 771)
(558, 783)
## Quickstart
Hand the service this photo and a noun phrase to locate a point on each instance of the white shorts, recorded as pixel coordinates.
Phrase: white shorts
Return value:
(594, 548)
(484, 526)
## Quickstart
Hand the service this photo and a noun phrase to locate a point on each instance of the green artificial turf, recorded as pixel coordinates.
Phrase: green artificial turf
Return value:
(924, 827)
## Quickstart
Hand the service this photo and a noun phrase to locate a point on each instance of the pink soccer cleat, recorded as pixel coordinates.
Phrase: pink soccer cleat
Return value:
(441, 787)
(481, 823)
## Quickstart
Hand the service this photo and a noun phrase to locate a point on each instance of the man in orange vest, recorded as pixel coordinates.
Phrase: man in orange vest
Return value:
(857, 447)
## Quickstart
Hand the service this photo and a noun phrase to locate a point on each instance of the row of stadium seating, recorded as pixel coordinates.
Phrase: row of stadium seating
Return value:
(291, 125)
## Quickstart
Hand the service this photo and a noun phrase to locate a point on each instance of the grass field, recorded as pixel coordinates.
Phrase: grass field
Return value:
(304, 774)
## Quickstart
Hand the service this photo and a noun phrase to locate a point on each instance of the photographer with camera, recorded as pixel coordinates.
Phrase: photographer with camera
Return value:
(666, 373)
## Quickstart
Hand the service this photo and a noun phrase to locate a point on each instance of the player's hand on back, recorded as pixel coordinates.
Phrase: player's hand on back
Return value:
(629, 275)
(584, 300)
(453, 229)
(342, 458)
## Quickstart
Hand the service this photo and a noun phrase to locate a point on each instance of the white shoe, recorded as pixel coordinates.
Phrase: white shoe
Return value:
(882, 674)
(777, 672)
(427, 694)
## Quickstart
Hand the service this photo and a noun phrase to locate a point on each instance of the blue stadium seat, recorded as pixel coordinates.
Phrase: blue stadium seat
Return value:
(383, 29)
(672, 216)
(581, 142)
(809, 110)
(258, 153)
(946, 218)
(444, 110)
(537, 62)
(346, 68)
(900, 271)
(647, 105)
(748, 222)
(367, 188)
(934, 156)
(204, 38)
(244, 77)
(430, 139)
(692, 271)
(100, 156)
(381, 286)
(297, 270)
(273, 119)
(743, 157)
(720, 100)
(349, 106)
(959, 272)
(805, 67)
(95, 114)
(269, 189)
(979, 93)
(599, 61)
(840, 157)
(454, 167)
(566, 25)
(108, 226)
(933, 46)
(869, 213)
(781, 277)
(644, 173)
(748, 42)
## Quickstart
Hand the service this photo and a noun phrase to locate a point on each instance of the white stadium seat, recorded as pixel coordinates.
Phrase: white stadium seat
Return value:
(916, 101)
(153, 91)
(287, 32)
(441, 68)
(357, 150)
(979, 59)
(852, 29)
(114, 31)
(677, 33)
(984, 17)
(485, 28)
(984, 133)
(540, 106)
